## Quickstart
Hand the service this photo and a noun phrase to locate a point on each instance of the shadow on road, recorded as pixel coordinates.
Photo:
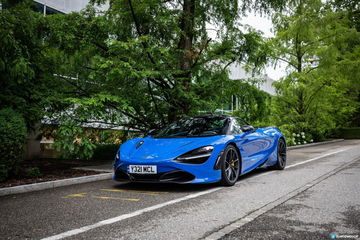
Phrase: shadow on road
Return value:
(165, 187)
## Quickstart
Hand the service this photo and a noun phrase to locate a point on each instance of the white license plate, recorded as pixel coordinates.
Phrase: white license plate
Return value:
(143, 169)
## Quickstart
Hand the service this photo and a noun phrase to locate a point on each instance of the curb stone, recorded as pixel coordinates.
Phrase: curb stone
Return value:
(314, 144)
(92, 178)
(53, 184)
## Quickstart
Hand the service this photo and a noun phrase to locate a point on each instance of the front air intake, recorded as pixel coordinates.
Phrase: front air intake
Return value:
(177, 176)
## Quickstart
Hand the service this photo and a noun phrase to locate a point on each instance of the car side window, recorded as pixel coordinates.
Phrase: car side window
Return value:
(236, 129)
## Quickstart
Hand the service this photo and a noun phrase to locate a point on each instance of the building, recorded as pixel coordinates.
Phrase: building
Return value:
(63, 6)
(237, 72)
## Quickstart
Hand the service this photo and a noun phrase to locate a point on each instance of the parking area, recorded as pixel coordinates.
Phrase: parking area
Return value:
(39, 214)
(161, 209)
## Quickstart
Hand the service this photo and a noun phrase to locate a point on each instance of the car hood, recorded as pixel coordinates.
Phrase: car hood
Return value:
(163, 148)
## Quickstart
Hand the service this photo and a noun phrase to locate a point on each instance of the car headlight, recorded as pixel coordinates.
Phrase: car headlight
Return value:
(196, 156)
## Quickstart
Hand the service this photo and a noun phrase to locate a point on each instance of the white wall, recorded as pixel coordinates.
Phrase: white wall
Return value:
(68, 6)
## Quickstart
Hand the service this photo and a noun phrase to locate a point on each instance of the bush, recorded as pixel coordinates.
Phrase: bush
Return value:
(32, 172)
(12, 139)
(301, 138)
(77, 142)
(350, 133)
(105, 151)
(72, 142)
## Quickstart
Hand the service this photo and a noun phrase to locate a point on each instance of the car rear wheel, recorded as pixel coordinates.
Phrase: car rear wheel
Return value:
(230, 166)
(281, 155)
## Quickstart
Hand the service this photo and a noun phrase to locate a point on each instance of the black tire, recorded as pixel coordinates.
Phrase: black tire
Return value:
(230, 166)
(281, 155)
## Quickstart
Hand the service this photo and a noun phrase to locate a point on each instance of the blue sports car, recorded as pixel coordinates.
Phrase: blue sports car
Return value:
(202, 149)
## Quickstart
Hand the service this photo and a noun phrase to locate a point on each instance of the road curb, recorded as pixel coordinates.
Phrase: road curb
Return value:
(53, 184)
(315, 144)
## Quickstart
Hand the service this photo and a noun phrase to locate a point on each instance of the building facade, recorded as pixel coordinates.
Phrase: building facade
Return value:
(63, 6)
(237, 72)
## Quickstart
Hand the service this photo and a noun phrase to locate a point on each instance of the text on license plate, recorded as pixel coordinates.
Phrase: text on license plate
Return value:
(143, 169)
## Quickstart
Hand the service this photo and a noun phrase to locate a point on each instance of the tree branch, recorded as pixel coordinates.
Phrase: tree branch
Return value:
(155, 104)
(311, 69)
(144, 44)
(229, 63)
(287, 61)
(202, 47)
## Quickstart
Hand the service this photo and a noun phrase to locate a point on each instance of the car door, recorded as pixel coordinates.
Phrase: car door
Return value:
(251, 145)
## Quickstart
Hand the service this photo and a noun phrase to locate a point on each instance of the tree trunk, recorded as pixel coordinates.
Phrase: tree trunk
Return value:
(185, 47)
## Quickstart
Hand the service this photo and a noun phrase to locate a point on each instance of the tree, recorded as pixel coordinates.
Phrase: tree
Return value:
(350, 59)
(26, 80)
(253, 103)
(144, 63)
(316, 96)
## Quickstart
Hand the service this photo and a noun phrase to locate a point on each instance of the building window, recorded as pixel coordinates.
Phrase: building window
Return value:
(46, 10)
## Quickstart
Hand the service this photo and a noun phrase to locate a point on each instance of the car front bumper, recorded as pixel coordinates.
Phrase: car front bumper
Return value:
(170, 172)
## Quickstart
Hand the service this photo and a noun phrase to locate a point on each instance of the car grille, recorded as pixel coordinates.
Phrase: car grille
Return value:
(178, 176)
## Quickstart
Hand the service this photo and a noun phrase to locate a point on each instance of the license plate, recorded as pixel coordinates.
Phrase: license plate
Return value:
(143, 169)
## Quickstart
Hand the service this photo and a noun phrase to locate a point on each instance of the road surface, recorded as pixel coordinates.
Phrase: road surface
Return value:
(317, 195)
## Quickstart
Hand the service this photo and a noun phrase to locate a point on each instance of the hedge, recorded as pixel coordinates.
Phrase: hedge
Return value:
(12, 139)
(350, 133)
(105, 151)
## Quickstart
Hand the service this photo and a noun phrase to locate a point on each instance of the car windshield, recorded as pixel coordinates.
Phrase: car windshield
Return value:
(194, 127)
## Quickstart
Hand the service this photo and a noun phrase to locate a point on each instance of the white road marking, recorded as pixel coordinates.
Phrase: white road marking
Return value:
(128, 215)
(161, 205)
(316, 158)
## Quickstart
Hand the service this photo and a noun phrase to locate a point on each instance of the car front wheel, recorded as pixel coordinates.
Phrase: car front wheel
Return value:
(230, 166)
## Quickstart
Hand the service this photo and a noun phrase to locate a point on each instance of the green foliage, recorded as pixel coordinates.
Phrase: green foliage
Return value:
(76, 142)
(322, 90)
(12, 138)
(253, 103)
(73, 142)
(26, 80)
(349, 133)
(287, 134)
(142, 64)
(353, 11)
(32, 172)
(105, 151)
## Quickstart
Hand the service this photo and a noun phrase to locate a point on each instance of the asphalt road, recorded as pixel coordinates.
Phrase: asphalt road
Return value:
(317, 195)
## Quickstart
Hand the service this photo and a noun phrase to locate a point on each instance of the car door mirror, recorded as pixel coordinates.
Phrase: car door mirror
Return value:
(247, 128)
